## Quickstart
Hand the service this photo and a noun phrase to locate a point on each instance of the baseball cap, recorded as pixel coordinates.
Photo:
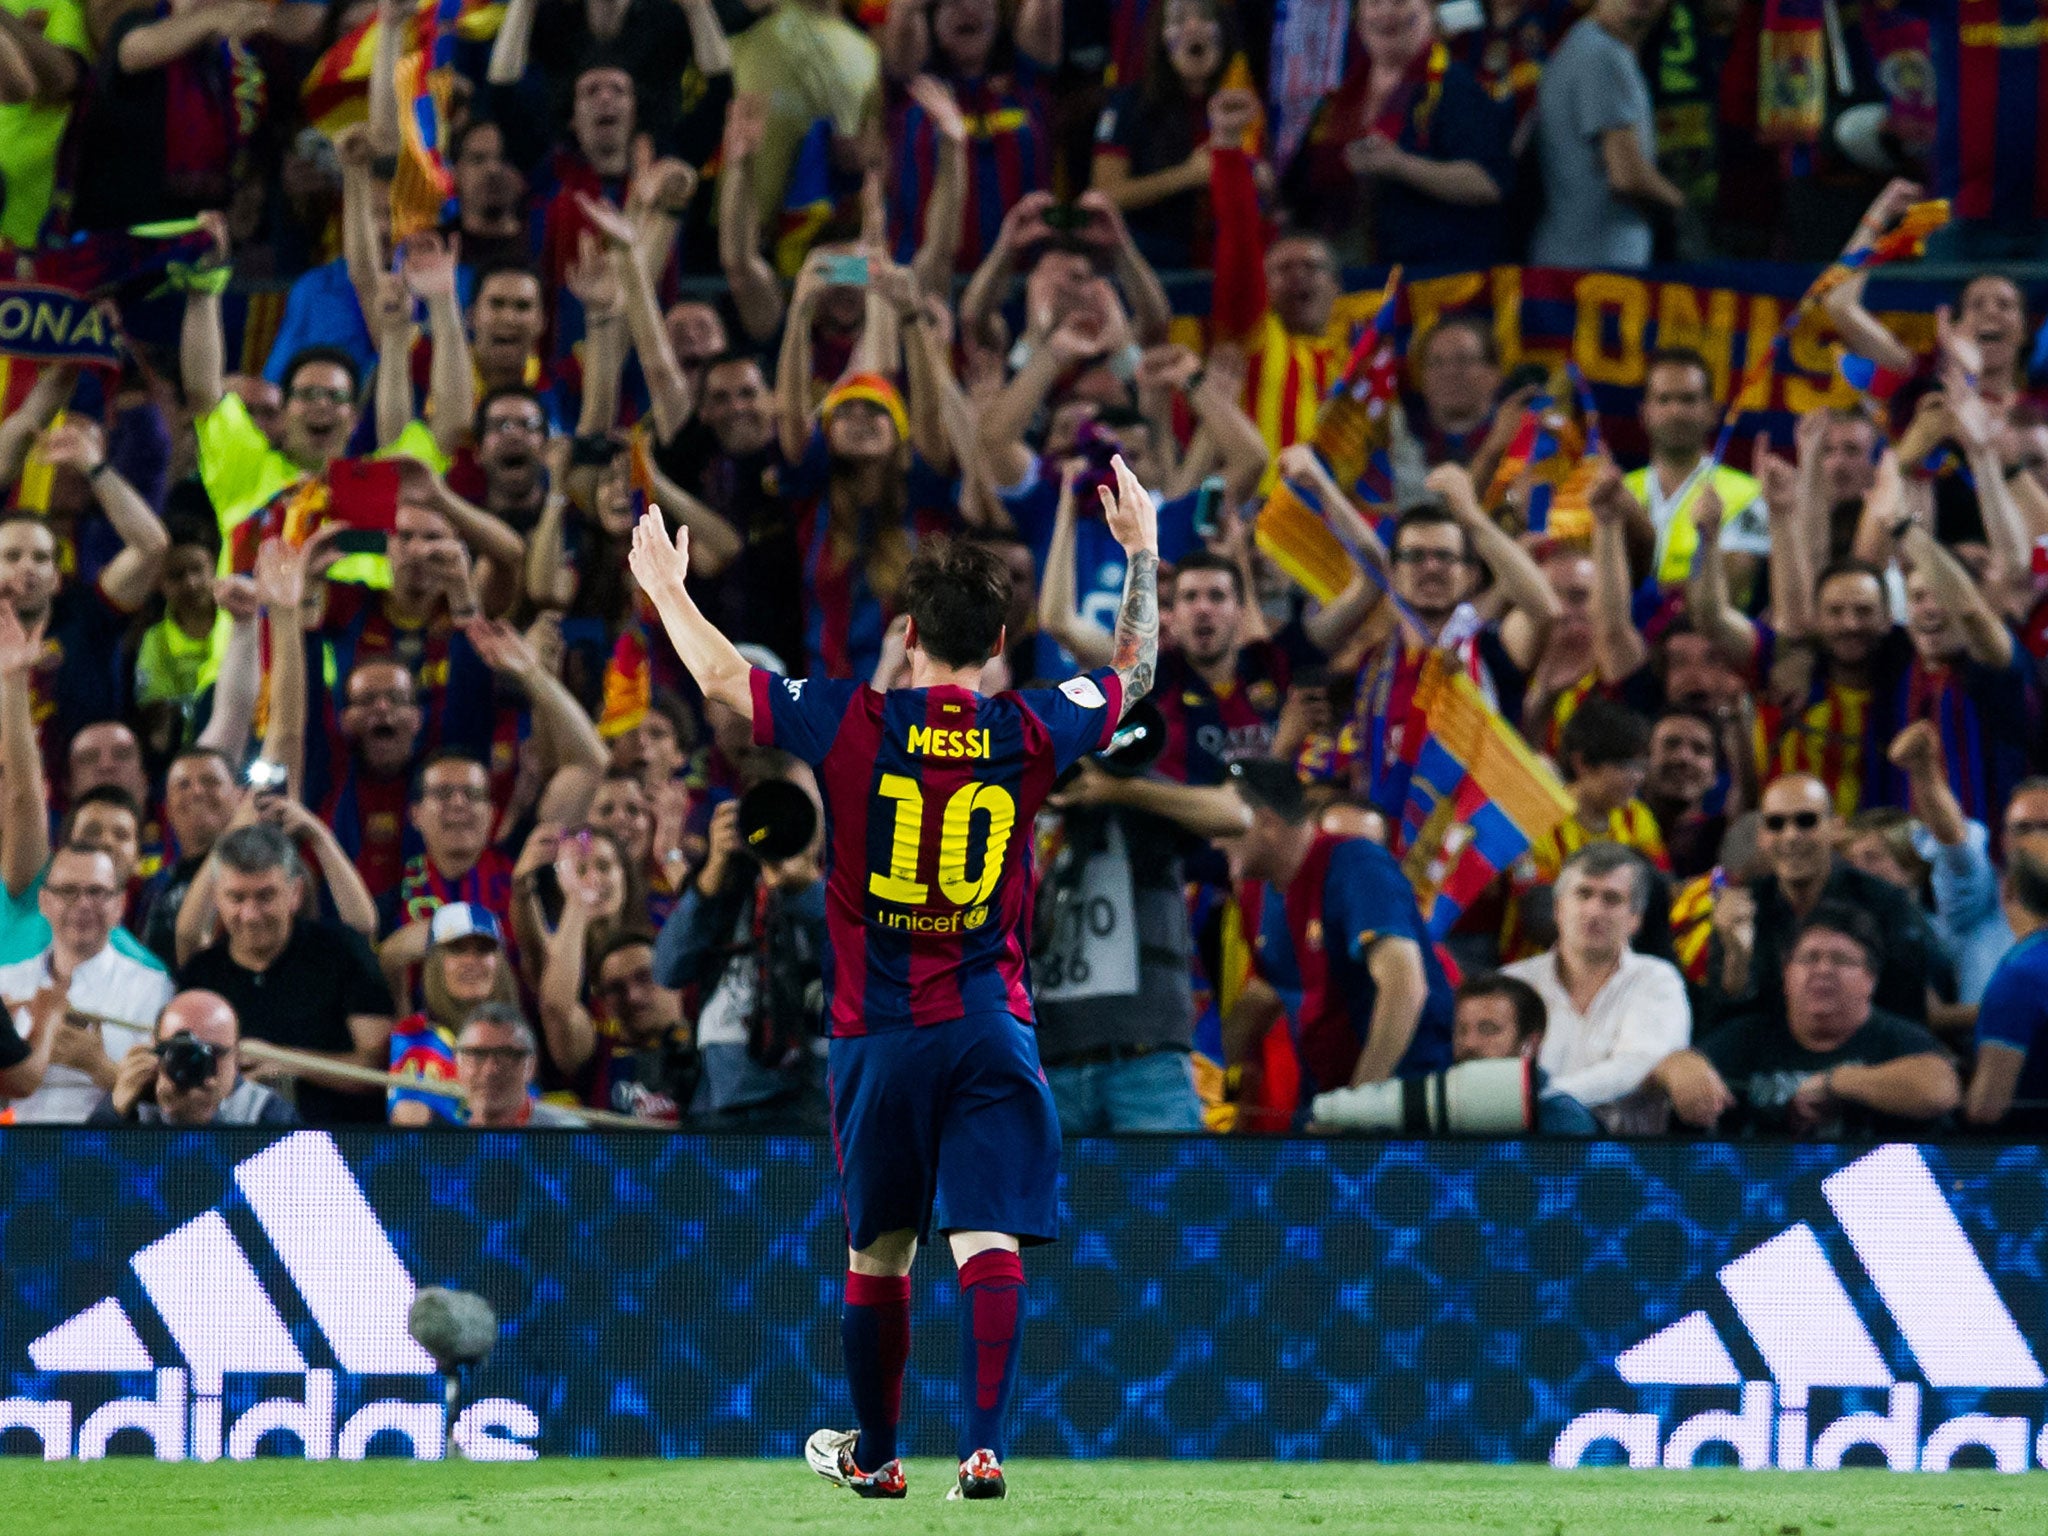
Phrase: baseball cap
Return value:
(464, 920)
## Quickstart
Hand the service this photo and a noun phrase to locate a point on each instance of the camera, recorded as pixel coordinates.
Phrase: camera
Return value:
(187, 1060)
(266, 778)
(1475, 1098)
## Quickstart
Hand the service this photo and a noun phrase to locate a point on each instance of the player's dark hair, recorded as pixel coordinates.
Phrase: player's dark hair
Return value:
(957, 594)
(1531, 1017)
(1269, 784)
(1602, 732)
(1209, 560)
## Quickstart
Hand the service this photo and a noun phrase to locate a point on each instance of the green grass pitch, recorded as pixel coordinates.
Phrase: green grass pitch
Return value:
(1048, 1498)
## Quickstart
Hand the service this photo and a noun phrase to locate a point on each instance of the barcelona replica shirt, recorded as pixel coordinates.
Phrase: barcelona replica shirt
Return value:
(930, 795)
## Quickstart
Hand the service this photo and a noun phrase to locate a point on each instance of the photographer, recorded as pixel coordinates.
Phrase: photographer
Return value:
(749, 935)
(189, 1074)
(1110, 956)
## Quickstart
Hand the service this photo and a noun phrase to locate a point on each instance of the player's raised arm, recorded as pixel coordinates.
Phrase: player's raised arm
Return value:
(662, 568)
(1134, 520)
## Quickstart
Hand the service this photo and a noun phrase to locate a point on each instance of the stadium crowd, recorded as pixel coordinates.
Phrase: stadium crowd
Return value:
(331, 720)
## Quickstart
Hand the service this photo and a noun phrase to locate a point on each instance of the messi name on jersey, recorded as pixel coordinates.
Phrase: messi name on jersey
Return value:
(930, 741)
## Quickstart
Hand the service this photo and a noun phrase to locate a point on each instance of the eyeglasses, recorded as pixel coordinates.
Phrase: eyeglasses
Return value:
(1778, 821)
(397, 698)
(66, 895)
(320, 394)
(455, 794)
(490, 1053)
(532, 426)
(1428, 557)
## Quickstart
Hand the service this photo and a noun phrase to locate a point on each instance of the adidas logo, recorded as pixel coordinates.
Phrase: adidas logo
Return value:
(1799, 1316)
(204, 1290)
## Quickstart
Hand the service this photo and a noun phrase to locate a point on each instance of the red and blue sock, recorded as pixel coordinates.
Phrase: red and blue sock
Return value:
(875, 1329)
(991, 1336)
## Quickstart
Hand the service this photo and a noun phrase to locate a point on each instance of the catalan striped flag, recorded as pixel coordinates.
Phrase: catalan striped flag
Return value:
(423, 185)
(336, 92)
(1291, 530)
(629, 671)
(1354, 428)
(1477, 795)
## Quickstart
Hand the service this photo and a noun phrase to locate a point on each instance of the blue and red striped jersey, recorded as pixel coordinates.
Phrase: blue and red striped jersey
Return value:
(1990, 62)
(930, 795)
(1009, 153)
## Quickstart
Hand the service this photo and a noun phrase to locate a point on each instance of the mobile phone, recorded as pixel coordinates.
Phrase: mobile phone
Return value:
(1525, 376)
(360, 541)
(265, 778)
(363, 493)
(1208, 507)
(1066, 219)
(846, 271)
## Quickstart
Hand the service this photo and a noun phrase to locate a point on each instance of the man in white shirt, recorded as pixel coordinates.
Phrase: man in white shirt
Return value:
(1612, 1014)
(81, 899)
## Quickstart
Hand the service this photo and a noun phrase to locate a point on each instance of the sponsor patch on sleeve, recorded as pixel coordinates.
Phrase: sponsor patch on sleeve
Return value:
(1082, 691)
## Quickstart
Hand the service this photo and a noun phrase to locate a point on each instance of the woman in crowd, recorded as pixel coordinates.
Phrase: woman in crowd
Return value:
(466, 966)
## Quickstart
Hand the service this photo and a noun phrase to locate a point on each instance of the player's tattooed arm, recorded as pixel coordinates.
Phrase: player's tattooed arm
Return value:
(1137, 627)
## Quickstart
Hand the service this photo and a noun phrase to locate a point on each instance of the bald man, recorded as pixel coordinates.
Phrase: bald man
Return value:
(147, 1090)
(1798, 834)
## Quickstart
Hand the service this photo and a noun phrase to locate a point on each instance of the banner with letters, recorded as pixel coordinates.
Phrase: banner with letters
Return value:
(1609, 323)
(228, 1294)
(51, 325)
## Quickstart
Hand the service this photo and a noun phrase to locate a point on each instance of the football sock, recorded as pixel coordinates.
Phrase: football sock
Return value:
(991, 1335)
(875, 1329)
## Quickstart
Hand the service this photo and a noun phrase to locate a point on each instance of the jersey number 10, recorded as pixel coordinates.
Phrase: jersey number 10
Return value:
(902, 884)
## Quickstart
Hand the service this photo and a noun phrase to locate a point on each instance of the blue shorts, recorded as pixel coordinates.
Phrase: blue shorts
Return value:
(958, 1113)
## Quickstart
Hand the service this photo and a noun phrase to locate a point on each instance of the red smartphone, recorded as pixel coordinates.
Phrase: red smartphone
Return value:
(363, 493)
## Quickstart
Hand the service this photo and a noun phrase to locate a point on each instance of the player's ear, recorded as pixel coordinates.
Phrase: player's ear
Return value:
(1002, 642)
(911, 640)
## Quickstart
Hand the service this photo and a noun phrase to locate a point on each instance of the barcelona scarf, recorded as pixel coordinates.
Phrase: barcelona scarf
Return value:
(629, 672)
(1477, 796)
(1354, 429)
(1291, 531)
(1792, 73)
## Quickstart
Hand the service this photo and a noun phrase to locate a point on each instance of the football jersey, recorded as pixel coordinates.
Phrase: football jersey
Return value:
(930, 796)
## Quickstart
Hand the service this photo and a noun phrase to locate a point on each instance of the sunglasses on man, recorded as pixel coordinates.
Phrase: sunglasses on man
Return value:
(1778, 821)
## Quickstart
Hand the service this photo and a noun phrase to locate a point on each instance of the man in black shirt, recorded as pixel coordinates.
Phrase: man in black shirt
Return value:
(1754, 923)
(310, 985)
(1830, 1066)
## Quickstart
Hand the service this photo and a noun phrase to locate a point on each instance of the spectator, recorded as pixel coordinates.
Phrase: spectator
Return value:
(1831, 1066)
(1684, 770)
(962, 62)
(308, 984)
(1408, 160)
(1458, 367)
(1753, 922)
(636, 1054)
(749, 937)
(1604, 748)
(1612, 1014)
(188, 1075)
(1115, 1010)
(1375, 1003)
(1596, 142)
(465, 967)
(809, 65)
(1680, 418)
(1499, 1017)
(199, 801)
(494, 1062)
(45, 55)
(2009, 1082)
(1151, 144)
(117, 997)
(602, 896)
